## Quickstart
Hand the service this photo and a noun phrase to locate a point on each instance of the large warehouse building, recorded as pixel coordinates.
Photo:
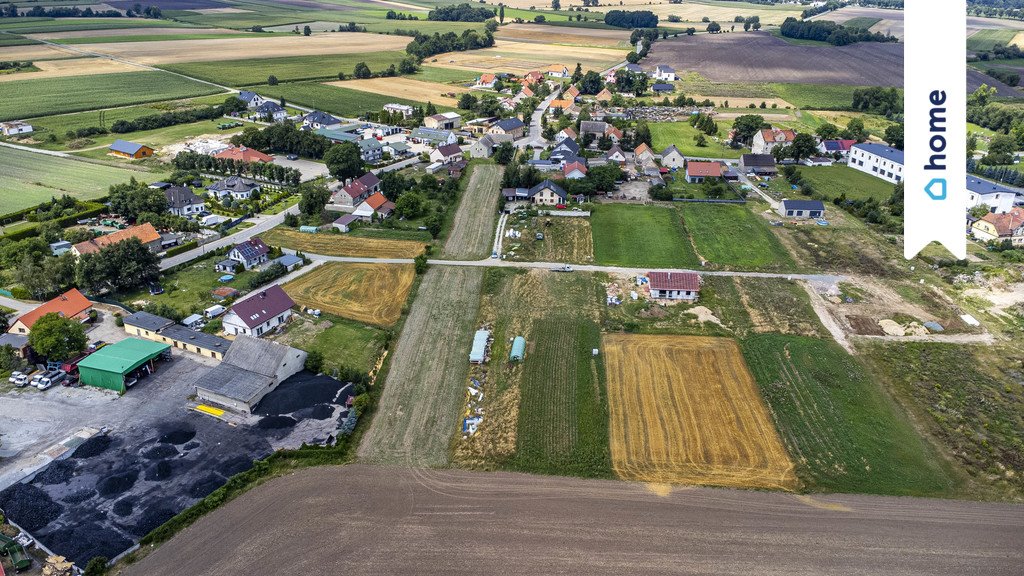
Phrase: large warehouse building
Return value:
(114, 366)
(251, 369)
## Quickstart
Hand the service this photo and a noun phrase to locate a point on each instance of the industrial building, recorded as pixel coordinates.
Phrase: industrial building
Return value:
(115, 367)
(165, 331)
(251, 369)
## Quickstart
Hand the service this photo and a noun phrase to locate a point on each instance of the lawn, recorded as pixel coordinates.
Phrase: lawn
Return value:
(840, 427)
(333, 99)
(682, 134)
(14, 40)
(189, 289)
(343, 343)
(444, 75)
(47, 96)
(831, 181)
(286, 69)
(865, 22)
(985, 40)
(29, 179)
(731, 236)
(817, 96)
(649, 236)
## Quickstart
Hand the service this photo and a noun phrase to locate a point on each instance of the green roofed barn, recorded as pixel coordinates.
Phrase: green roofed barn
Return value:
(112, 366)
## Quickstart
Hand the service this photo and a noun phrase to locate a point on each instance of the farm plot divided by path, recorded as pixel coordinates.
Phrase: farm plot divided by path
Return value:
(685, 409)
(473, 230)
(370, 293)
(419, 408)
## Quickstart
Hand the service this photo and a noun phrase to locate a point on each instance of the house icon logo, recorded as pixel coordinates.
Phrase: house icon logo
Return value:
(936, 189)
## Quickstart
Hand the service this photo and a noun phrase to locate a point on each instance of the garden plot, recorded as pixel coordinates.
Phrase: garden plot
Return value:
(370, 293)
(564, 239)
(685, 409)
(443, 94)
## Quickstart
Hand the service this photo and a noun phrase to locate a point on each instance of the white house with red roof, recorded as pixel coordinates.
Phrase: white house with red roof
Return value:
(259, 313)
(485, 81)
(697, 172)
(675, 285)
(446, 154)
(353, 193)
(767, 139)
(575, 171)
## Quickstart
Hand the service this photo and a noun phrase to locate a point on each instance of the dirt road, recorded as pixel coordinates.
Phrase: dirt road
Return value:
(474, 222)
(367, 520)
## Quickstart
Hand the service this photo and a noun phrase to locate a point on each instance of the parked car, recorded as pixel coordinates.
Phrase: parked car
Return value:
(58, 377)
(38, 376)
(22, 381)
(96, 345)
(292, 156)
(14, 376)
(155, 289)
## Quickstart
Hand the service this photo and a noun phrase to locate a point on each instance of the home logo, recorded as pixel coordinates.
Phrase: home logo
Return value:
(936, 189)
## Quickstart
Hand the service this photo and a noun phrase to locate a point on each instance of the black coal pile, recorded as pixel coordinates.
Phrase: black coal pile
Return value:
(160, 452)
(117, 483)
(93, 446)
(303, 390)
(276, 422)
(124, 507)
(178, 436)
(234, 466)
(204, 486)
(29, 506)
(190, 446)
(78, 497)
(318, 412)
(58, 472)
(162, 470)
(151, 519)
(81, 541)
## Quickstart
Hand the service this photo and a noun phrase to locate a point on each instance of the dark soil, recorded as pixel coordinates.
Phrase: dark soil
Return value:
(190, 446)
(318, 412)
(29, 506)
(276, 422)
(117, 483)
(303, 390)
(58, 472)
(78, 497)
(93, 446)
(124, 507)
(162, 470)
(160, 452)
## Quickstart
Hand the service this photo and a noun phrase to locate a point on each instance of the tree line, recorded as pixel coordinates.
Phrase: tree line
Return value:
(460, 13)
(423, 46)
(828, 31)
(631, 19)
(153, 121)
(228, 166)
(11, 11)
(876, 100)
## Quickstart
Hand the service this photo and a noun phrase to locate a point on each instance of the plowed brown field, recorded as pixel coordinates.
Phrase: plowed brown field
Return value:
(685, 409)
(368, 293)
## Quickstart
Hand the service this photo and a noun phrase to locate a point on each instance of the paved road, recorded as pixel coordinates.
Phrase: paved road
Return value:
(18, 306)
(231, 239)
(534, 135)
(367, 520)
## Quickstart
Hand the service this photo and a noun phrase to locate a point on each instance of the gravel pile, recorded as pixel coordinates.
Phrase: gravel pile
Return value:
(29, 506)
(93, 446)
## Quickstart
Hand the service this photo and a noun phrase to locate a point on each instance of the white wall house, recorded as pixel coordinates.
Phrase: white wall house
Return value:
(997, 197)
(259, 314)
(15, 128)
(878, 160)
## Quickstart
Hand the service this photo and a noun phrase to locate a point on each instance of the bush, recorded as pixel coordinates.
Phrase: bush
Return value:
(96, 567)
(315, 361)
(182, 249)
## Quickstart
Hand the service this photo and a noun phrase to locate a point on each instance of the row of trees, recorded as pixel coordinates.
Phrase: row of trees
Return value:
(227, 166)
(828, 31)
(14, 64)
(283, 137)
(460, 13)
(631, 19)
(392, 15)
(424, 46)
(153, 121)
(821, 9)
(11, 11)
(119, 267)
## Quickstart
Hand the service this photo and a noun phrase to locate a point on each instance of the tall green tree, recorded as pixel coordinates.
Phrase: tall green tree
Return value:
(744, 127)
(501, 13)
(133, 198)
(314, 198)
(57, 338)
(118, 267)
(344, 161)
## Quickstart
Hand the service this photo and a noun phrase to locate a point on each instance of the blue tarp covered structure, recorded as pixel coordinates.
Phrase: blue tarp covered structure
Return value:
(518, 348)
(479, 351)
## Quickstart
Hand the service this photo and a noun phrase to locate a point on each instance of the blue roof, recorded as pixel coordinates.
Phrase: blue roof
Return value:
(663, 87)
(509, 124)
(287, 260)
(246, 95)
(983, 187)
(125, 146)
(803, 205)
(883, 151)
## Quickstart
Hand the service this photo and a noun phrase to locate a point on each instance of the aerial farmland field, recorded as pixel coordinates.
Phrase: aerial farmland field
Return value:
(653, 236)
(473, 228)
(685, 409)
(408, 88)
(333, 99)
(369, 293)
(339, 245)
(715, 227)
(246, 72)
(522, 57)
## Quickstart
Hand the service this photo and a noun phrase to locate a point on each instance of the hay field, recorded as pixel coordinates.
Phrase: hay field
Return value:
(337, 245)
(522, 57)
(692, 10)
(71, 67)
(541, 33)
(34, 52)
(147, 31)
(231, 48)
(368, 293)
(407, 88)
(685, 409)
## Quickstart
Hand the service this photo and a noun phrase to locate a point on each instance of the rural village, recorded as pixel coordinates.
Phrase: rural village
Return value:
(406, 266)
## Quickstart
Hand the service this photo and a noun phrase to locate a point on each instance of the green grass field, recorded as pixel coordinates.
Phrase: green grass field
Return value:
(563, 411)
(831, 181)
(48, 96)
(288, 69)
(731, 236)
(189, 290)
(28, 179)
(840, 427)
(41, 25)
(816, 96)
(148, 38)
(984, 40)
(626, 235)
(445, 75)
(682, 134)
(15, 40)
(865, 22)
(343, 343)
(333, 99)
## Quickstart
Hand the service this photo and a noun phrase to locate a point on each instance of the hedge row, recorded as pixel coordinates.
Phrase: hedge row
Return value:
(182, 248)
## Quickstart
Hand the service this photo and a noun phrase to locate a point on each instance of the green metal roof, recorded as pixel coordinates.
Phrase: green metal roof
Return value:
(124, 356)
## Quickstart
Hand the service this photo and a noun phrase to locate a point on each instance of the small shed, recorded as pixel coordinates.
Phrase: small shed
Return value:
(518, 348)
(110, 366)
(479, 352)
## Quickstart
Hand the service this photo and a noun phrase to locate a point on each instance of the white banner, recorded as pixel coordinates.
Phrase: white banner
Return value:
(935, 112)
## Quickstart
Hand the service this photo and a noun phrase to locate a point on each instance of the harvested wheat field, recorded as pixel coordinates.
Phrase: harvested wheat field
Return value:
(146, 31)
(685, 409)
(35, 52)
(72, 67)
(401, 87)
(522, 57)
(541, 33)
(367, 293)
(231, 48)
(337, 245)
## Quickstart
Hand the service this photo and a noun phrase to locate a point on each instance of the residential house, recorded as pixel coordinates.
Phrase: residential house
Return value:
(515, 194)
(511, 126)
(403, 109)
(671, 157)
(643, 154)
(15, 128)
(660, 88)
(832, 147)
(182, 201)
(674, 285)
(357, 190)
(250, 253)
(634, 68)
(397, 149)
(801, 208)
(371, 150)
(572, 92)
(664, 73)
(237, 187)
(615, 154)
(71, 304)
(344, 223)
(574, 170)
(507, 104)
(562, 105)
(486, 81)
(547, 193)
(482, 148)
(767, 139)
(564, 133)
(432, 136)
(758, 164)
(133, 150)
(443, 121)
(605, 95)
(594, 128)
(1001, 227)
(558, 71)
(377, 204)
(565, 149)
(818, 161)
(181, 336)
(997, 197)
(271, 111)
(251, 99)
(259, 313)
(878, 160)
(697, 172)
(244, 154)
(446, 154)
(613, 133)
(317, 120)
(532, 78)
(524, 93)
(144, 233)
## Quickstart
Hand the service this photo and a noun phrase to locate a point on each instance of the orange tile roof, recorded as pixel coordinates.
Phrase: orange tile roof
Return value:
(604, 94)
(69, 305)
(704, 169)
(1005, 224)
(561, 103)
(572, 91)
(244, 154)
(643, 147)
(376, 200)
(569, 132)
(774, 134)
(486, 78)
(574, 166)
(144, 232)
